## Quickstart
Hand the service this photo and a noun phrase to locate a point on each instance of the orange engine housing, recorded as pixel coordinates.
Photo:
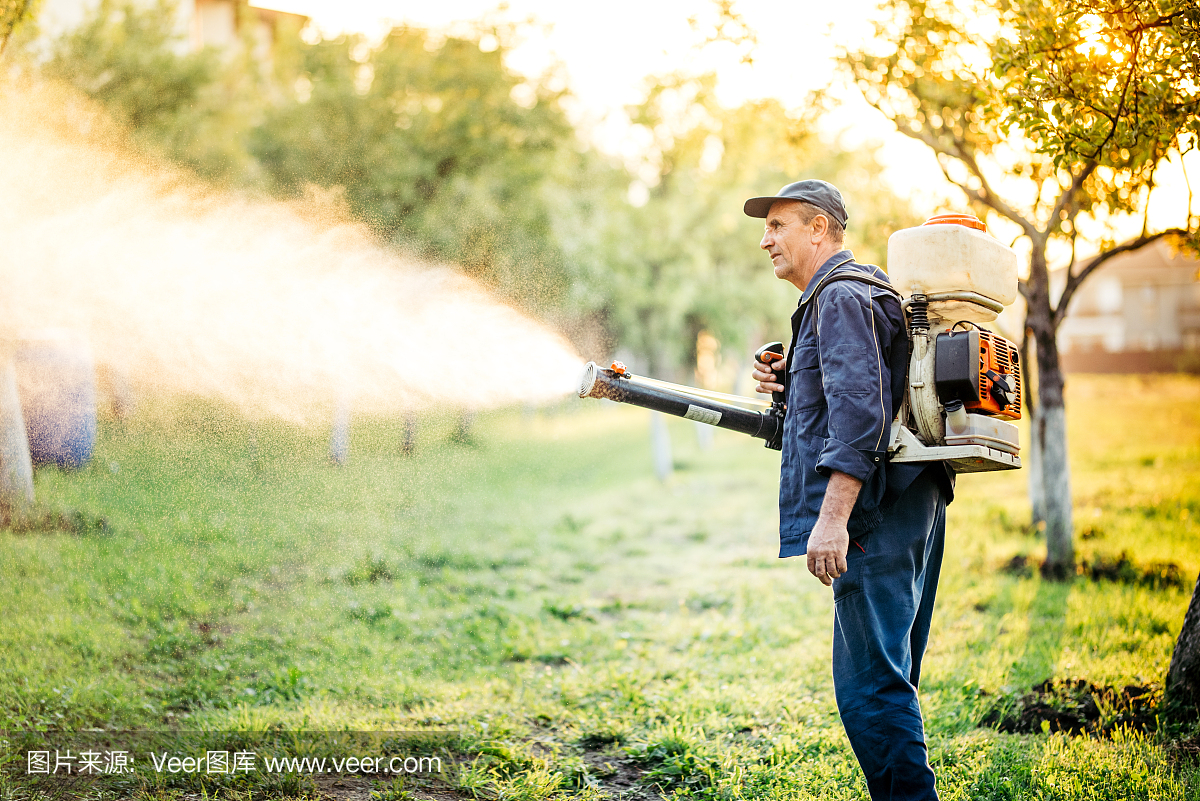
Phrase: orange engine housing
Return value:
(997, 356)
(980, 368)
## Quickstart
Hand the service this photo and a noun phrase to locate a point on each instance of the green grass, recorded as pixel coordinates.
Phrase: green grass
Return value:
(586, 630)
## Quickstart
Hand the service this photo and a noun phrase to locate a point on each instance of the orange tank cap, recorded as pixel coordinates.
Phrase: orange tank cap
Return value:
(969, 220)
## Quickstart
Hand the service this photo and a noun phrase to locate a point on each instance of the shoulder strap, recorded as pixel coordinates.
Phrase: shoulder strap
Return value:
(900, 346)
(853, 275)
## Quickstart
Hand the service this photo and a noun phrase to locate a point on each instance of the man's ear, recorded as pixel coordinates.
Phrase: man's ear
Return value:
(820, 227)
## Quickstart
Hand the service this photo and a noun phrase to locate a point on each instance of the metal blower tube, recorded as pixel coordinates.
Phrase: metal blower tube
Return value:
(600, 382)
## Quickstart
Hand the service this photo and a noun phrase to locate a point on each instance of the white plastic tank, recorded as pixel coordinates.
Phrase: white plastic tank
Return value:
(953, 253)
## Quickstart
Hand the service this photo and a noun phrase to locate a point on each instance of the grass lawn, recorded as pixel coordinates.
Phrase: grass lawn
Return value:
(587, 631)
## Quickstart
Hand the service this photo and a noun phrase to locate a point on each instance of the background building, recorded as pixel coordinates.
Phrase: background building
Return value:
(201, 23)
(1138, 313)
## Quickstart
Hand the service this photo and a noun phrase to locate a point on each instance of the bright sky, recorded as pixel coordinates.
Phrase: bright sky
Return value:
(607, 50)
(607, 53)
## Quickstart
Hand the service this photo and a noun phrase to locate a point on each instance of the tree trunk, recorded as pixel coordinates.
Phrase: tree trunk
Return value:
(16, 468)
(1033, 464)
(408, 439)
(339, 437)
(463, 429)
(1183, 678)
(660, 444)
(1051, 423)
(1056, 481)
(1031, 458)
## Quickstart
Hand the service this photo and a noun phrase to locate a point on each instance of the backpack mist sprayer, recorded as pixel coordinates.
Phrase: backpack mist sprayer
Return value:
(964, 382)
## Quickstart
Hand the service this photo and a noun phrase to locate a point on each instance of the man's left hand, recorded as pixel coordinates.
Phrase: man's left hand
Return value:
(827, 548)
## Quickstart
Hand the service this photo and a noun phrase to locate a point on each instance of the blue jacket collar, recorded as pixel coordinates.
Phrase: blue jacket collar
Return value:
(831, 264)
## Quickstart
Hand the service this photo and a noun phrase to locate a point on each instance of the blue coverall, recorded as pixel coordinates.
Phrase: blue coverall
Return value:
(845, 369)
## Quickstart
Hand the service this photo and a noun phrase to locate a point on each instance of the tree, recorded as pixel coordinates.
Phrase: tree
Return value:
(1049, 116)
(409, 133)
(685, 260)
(14, 13)
(191, 107)
(437, 145)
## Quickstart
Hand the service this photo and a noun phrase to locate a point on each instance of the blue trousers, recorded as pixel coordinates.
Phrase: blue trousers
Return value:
(883, 605)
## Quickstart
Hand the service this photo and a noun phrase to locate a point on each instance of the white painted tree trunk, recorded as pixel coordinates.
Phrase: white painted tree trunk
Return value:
(115, 380)
(465, 426)
(1056, 483)
(660, 444)
(704, 436)
(408, 438)
(1051, 420)
(339, 438)
(1032, 462)
(16, 468)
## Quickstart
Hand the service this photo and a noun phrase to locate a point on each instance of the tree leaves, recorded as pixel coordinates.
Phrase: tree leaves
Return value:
(12, 14)
(1086, 97)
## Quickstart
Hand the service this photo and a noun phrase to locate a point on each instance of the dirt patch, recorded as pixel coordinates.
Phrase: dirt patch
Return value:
(68, 521)
(360, 788)
(1123, 570)
(618, 775)
(1075, 706)
(344, 788)
(1118, 569)
(1020, 566)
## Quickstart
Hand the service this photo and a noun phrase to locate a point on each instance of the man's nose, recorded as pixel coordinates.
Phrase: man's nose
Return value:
(766, 240)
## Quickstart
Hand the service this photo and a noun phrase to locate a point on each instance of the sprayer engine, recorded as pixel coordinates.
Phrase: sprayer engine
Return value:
(964, 381)
(980, 369)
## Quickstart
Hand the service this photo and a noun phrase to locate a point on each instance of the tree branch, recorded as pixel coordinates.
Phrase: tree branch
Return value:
(20, 9)
(1068, 194)
(1161, 22)
(1073, 281)
(1116, 117)
(1188, 182)
(985, 195)
(988, 196)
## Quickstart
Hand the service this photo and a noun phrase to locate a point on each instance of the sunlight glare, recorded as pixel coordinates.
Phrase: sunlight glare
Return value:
(1093, 43)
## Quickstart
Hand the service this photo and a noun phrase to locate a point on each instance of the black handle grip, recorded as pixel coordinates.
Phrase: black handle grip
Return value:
(773, 352)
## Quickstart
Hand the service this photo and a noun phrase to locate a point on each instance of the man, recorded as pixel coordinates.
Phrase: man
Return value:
(872, 531)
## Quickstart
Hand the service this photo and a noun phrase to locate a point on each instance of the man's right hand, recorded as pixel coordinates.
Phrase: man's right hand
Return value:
(767, 378)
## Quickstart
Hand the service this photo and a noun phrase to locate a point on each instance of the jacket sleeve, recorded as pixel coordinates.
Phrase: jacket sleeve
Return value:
(851, 340)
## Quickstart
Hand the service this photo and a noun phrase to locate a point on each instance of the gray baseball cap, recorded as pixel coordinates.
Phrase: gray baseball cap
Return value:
(824, 196)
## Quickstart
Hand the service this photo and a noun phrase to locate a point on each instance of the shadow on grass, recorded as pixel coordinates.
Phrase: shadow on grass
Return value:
(1043, 645)
(1044, 639)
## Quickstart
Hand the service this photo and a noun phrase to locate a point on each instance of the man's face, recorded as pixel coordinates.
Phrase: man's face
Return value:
(789, 242)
